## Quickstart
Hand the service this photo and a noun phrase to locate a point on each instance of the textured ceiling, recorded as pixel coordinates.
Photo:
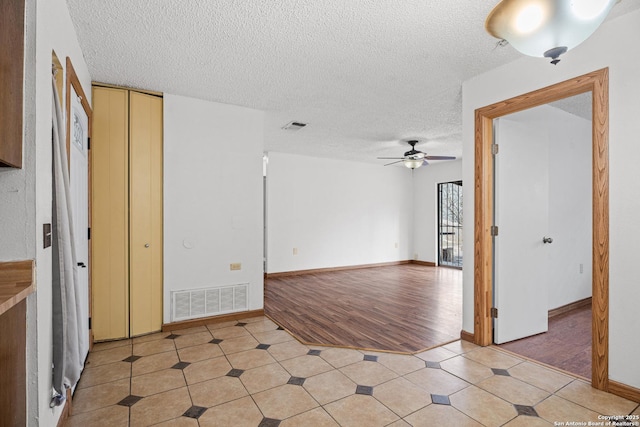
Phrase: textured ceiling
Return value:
(578, 105)
(363, 74)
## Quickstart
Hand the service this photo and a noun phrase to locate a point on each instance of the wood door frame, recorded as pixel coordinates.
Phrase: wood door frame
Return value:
(73, 81)
(597, 83)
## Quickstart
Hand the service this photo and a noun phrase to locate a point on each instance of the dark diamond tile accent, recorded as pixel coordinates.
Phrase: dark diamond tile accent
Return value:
(296, 381)
(280, 328)
(433, 365)
(440, 399)
(172, 336)
(194, 412)
(131, 359)
(235, 373)
(181, 365)
(502, 372)
(370, 358)
(215, 341)
(263, 346)
(364, 389)
(130, 400)
(529, 411)
(241, 324)
(314, 352)
(269, 422)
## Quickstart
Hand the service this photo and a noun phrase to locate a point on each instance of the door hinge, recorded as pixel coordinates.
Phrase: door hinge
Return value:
(494, 312)
(89, 233)
(89, 322)
(494, 230)
(89, 143)
(494, 149)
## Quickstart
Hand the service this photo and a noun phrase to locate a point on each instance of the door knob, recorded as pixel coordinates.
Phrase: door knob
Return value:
(547, 240)
(82, 264)
(146, 245)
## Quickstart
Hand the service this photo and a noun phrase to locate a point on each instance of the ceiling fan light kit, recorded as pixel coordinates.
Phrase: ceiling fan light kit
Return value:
(546, 28)
(413, 158)
(413, 163)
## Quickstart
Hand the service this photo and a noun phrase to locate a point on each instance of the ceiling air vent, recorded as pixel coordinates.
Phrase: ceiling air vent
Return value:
(294, 126)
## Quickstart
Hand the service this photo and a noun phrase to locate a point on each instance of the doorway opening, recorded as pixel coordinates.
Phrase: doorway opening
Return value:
(597, 83)
(542, 254)
(450, 224)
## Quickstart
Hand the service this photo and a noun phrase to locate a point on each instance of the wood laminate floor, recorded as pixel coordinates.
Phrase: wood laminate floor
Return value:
(403, 308)
(567, 344)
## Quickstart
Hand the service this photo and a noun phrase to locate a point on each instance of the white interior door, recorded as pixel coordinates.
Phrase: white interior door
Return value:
(522, 215)
(79, 186)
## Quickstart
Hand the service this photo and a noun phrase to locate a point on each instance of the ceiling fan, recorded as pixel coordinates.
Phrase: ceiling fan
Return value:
(413, 158)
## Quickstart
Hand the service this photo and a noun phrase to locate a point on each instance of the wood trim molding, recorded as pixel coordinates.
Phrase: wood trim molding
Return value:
(597, 83)
(145, 91)
(67, 409)
(467, 336)
(623, 390)
(570, 307)
(330, 269)
(425, 263)
(185, 324)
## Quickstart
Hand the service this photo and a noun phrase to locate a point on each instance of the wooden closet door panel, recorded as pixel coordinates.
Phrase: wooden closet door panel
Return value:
(109, 214)
(146, 213)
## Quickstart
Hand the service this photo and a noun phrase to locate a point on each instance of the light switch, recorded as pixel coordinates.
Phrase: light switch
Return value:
(46, 235)
(235, 266)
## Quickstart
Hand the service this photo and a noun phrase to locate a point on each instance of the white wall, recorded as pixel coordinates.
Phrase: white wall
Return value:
(570, 214)
(425, 206)
(25, 195)
(336, 213)
(528, 74)
(212, 197)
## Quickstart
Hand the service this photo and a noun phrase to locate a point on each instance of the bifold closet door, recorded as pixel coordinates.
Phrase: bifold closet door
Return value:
(110, 213)
(145, 198)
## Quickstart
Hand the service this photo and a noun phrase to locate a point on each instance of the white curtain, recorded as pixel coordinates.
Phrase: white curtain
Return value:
(67, 360)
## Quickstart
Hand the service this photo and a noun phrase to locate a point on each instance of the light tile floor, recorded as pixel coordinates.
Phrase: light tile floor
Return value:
(252, 373)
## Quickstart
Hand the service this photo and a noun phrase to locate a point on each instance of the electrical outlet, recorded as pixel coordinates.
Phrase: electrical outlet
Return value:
(396, 245)
(581, 268)
(295, 251)
(235, 266)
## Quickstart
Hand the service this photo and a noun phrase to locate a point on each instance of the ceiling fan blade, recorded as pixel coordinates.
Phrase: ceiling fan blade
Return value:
(440, 157)
(390, 158)
(393, 163)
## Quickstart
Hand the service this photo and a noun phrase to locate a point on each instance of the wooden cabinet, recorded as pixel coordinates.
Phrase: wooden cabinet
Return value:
(126, 213)
(11, 84)
(16, 283)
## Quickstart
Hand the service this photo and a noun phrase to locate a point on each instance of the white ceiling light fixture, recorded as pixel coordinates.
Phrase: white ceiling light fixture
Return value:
(413, 163)
(546, 28)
